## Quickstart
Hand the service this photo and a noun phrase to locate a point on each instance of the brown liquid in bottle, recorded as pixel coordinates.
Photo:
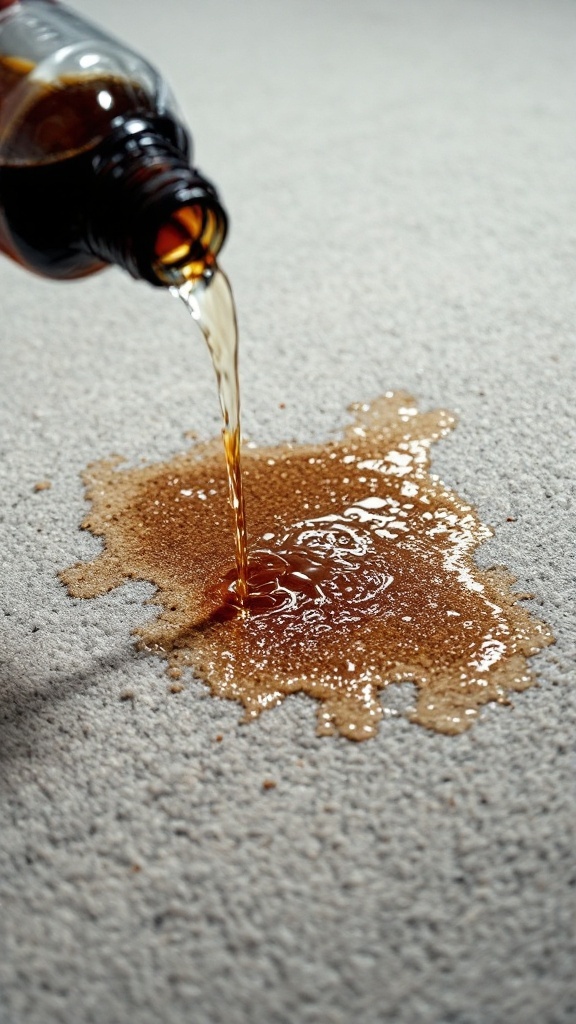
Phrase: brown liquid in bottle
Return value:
(12, 70)
(60, 128)
(360, 575)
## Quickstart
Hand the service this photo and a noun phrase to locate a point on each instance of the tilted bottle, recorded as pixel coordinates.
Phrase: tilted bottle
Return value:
(95, 162)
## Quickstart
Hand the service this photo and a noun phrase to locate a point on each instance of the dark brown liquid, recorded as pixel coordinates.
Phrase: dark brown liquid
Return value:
(360, 575)
(12, 70)
(66, 117)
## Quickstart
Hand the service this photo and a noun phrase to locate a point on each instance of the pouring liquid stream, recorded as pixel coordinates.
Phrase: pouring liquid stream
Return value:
(210, 302)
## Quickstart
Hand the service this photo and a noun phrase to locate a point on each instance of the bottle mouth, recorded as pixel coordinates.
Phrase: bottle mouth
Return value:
(151, 212)
(187, 242)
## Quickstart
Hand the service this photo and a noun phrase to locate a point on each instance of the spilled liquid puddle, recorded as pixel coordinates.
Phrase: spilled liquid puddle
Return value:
(360, 575)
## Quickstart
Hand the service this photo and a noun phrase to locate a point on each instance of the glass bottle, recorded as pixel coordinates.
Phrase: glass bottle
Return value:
(95, 162)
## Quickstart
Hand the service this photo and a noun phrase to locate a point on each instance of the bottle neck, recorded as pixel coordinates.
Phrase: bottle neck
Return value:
(149, 211)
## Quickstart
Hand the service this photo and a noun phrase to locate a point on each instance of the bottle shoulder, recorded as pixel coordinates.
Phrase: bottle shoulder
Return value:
(70, 116)
(63, 81)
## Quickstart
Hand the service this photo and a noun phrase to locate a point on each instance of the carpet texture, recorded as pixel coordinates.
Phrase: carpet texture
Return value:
(401, 184)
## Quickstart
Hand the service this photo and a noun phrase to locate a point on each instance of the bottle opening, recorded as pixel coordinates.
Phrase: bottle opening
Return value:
(151, 212)
(188, 243)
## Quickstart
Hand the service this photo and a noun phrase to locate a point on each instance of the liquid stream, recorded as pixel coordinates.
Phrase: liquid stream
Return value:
(210, 302)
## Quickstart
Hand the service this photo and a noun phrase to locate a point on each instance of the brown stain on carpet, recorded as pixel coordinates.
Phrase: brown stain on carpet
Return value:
(361, 575)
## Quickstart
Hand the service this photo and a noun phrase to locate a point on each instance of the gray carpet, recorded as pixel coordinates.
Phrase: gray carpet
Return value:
(401, 180)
